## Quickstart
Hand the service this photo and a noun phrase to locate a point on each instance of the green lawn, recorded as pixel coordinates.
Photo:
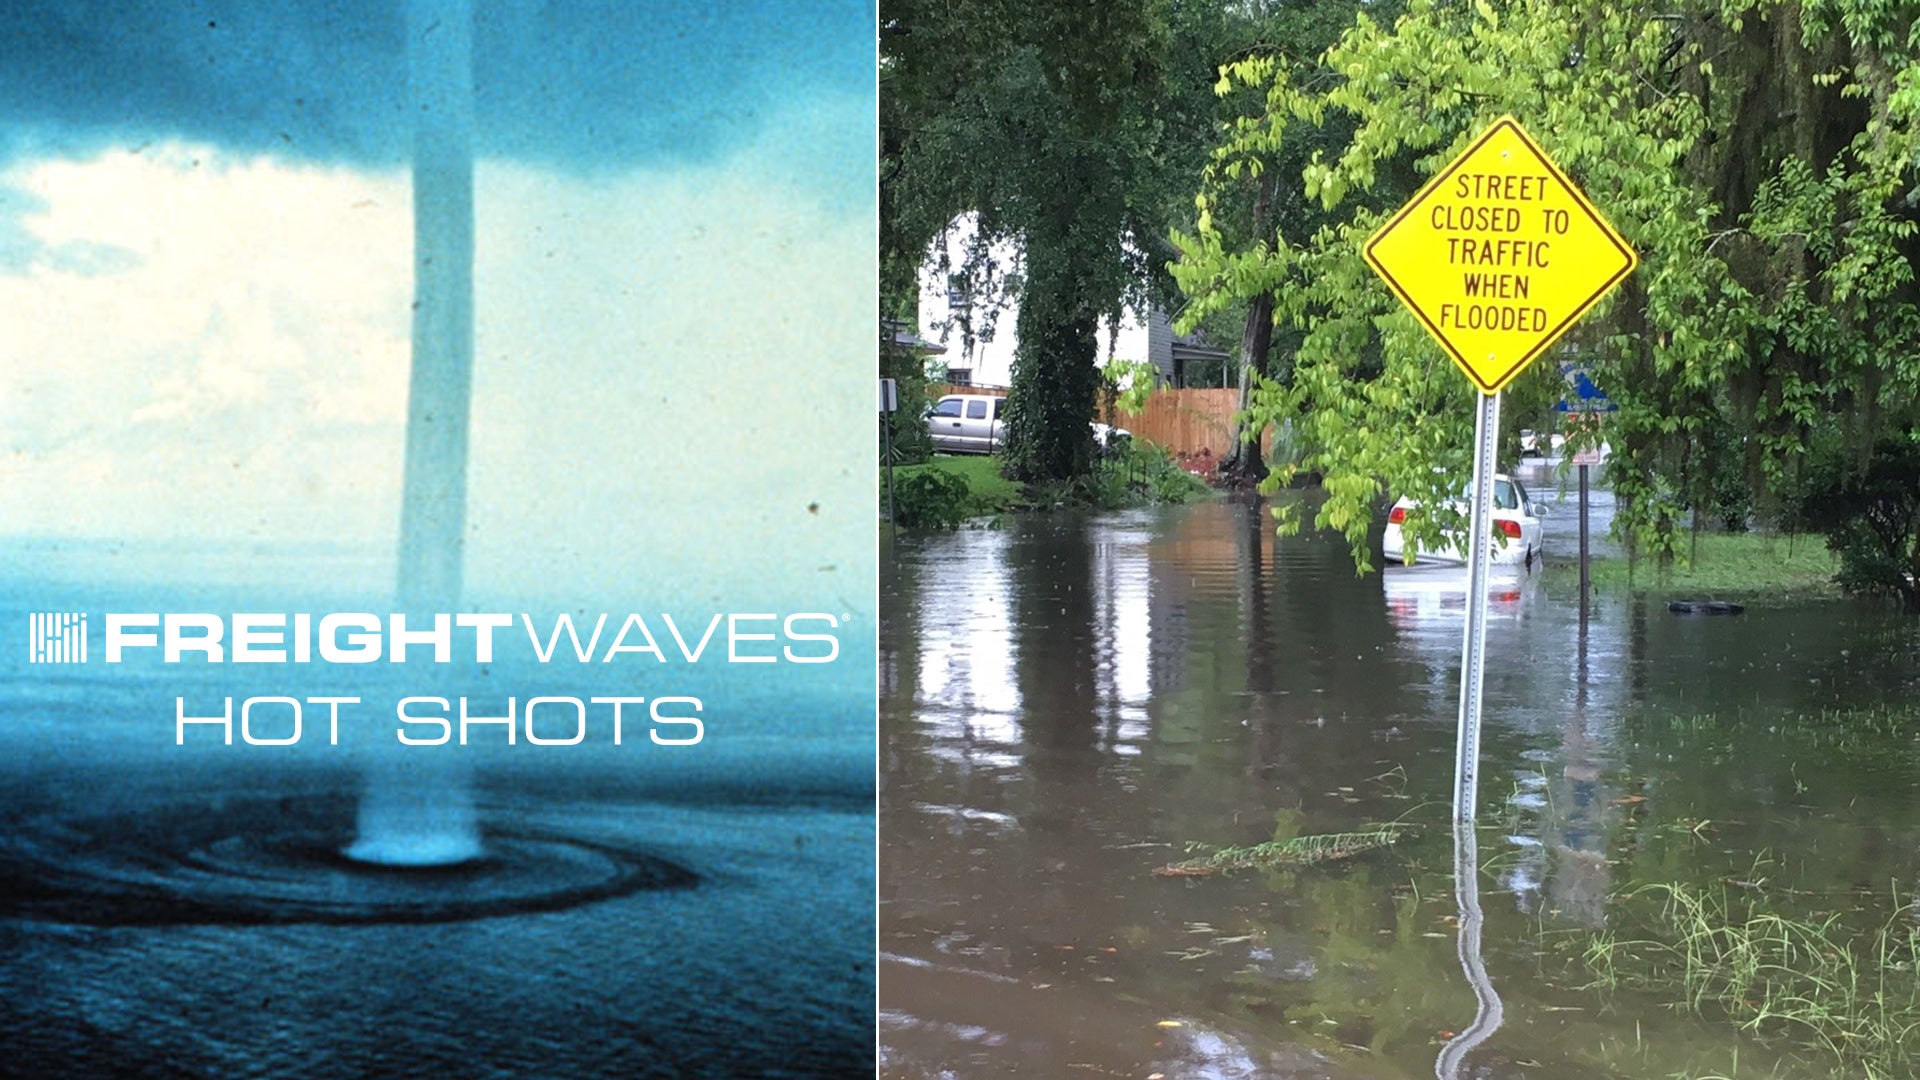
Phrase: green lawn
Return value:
(1140, 475)
(1727, 564)
(992, 492)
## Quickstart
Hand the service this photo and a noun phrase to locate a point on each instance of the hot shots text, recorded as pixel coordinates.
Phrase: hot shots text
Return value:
(435, 721)
(426, 720)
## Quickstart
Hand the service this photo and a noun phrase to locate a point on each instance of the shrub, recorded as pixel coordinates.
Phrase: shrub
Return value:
(1871, 519)
(931, 499)
(1140, 473)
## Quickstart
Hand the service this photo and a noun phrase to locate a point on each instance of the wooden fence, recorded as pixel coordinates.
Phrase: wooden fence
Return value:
(1194, 422)
(1191, 422)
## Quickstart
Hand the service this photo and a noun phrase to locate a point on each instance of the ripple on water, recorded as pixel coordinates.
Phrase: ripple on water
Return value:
(265, 859)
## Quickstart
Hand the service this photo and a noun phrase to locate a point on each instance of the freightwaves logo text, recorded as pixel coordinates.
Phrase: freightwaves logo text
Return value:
(347, 638)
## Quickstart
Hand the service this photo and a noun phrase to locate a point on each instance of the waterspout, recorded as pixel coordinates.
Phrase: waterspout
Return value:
(433, 505)
(416, 817)
(419, 811)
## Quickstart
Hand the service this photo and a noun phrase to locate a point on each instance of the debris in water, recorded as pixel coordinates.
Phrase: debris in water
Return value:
(1299, 851)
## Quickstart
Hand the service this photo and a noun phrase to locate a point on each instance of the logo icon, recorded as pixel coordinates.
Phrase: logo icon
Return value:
(57, 637)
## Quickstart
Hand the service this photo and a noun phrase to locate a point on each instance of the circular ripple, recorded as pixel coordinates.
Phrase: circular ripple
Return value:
(272, 860)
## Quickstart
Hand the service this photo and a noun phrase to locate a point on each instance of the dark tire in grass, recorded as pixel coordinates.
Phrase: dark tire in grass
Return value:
(1705, 607)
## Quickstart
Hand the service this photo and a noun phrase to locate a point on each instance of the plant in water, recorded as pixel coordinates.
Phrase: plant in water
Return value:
(1143, 472)
(1849, 996)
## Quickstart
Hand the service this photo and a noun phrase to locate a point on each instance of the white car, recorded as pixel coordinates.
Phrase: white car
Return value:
(967, 423)
(1516, 525)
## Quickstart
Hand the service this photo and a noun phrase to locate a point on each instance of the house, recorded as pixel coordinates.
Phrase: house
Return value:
(970, 311)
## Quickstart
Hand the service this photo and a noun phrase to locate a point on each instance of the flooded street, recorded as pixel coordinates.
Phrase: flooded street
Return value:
(1069, 702)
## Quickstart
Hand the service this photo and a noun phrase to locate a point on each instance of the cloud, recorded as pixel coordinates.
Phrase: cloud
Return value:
(672, 366)
(587, 84)
(675, 397)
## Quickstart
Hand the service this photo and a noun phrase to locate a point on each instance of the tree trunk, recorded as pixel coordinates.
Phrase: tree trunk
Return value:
(1246, 465)
(1056, 384)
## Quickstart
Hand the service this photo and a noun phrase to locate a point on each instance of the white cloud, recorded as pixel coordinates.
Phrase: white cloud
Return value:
(670, 368)
(184, 388)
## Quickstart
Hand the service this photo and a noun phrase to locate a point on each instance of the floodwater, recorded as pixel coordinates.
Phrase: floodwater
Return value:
(1069, 701)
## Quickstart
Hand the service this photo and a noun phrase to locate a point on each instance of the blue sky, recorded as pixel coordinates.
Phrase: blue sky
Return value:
(205, 269)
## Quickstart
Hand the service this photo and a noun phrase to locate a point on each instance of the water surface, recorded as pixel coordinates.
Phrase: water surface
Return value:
(1069, 701)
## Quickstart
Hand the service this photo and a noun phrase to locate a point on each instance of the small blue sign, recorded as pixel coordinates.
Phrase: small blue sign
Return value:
(1586, 397)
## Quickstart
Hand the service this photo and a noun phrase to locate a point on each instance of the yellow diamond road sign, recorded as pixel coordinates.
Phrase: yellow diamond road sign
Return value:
(1499, 255)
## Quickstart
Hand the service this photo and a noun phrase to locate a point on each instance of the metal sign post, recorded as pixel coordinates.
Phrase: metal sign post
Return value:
(1585, 584)
(1473, 653)
(1585, 404)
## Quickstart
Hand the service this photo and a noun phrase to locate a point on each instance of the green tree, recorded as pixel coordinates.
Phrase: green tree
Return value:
(1260, 198)
(907, 368)
(1759, 156)
(1072, 129)
(1871, 518)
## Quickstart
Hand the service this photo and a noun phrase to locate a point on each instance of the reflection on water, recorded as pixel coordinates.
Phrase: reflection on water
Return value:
(1071, 700)
(1489, 1010)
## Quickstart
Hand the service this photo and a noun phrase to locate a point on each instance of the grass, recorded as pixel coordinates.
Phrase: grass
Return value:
(1725, 564)
(991, 493)
(1843, 995)
(1140, 475)
(1824, 727)
(1876, 739)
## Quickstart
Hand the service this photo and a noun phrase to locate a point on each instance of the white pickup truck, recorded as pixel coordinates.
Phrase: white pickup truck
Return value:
(967, 423)
(975, 424)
